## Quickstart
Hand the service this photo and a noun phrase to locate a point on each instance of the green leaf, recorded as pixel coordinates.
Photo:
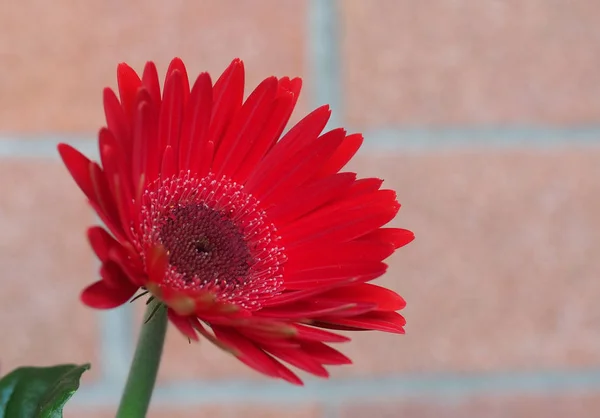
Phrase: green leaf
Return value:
(39, 392)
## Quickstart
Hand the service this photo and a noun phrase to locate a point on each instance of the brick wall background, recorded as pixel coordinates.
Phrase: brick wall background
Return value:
(484, 115)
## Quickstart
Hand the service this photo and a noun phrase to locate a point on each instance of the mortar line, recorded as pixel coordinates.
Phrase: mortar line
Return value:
(330, 410)
(423, 140)
(323, 57)
(441, 387)
(479, 137)
(116, 345)
(44, 145)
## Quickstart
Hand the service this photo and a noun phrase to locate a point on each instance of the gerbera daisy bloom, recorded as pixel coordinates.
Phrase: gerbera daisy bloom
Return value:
(253, 240)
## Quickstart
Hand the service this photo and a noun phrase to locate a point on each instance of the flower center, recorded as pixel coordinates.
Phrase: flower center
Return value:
(217, 238)
(204, 245)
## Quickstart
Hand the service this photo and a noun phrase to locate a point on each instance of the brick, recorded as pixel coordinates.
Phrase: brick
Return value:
(248, 411)
(448, 62)
(504, 269)
(522, 406)
(56, 58)
(45, 262)
(213, 411)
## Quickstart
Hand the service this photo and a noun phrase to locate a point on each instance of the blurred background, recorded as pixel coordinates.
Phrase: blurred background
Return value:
(483, 115)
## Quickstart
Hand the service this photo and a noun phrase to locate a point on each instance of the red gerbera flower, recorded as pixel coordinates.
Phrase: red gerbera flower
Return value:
(253, 241)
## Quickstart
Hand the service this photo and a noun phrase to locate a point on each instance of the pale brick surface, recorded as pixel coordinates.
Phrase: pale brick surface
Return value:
(550, 406)
(449, 62)
(55, 58)
(213, 411)
(44, 263)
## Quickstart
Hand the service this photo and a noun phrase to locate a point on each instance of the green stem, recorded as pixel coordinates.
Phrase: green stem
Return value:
(142, 373)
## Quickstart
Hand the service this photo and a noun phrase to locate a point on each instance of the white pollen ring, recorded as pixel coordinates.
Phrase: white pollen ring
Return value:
(264, 278)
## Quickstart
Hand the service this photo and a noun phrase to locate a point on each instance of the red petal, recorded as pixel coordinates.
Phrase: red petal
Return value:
(397, 236)
(287, 375)
(134, 272)
(342, 155)
(147, 158)
(91, 180)
(100, 295)
(363, 203)
(293, 172)
(343, 221)
(114, 277)
(178, 65)
(298, 202)
(117, 122)
(169, 163)
(139, 154)
(376, 320)
(112, 223)
(244, 128)
(281, 111)
(289, 86)
(104, 196)
(315, 309)
(150, 81)
(326, 254)
(123, 198)
(171, 113)
(266, 343)
(307, 333)
(364, 186)
(324, 354)
(157, 262)
(300, 136)
(101, 242)
(260, 329)
(206, 161)
(329, 325)
(250, 354)
(385, 299)
(296, 295)
(228, 94)
(305, 132)
(128, 82)
(313, 276)
(118, 174)
(194, 128)
(183, 324)
(300, 360)
(79, 167)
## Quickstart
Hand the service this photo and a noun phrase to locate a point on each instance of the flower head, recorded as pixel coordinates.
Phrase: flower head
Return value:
(254, 240)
